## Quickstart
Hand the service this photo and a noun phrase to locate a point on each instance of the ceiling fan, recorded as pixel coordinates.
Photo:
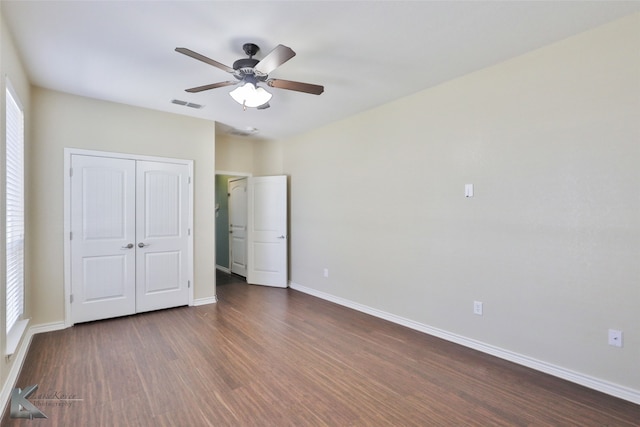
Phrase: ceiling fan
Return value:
(249, 72)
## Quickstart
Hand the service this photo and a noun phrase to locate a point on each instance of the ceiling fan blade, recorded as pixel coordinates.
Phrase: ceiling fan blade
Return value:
(274, 59)
(211, 86)
(297, 86)
(196, 55)
(264, 106)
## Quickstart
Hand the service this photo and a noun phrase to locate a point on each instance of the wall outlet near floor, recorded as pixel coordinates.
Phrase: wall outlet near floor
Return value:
(477, 308)
(615, 338)
(325, 272)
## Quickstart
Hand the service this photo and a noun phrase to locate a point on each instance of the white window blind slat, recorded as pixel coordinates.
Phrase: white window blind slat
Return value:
(14, 193)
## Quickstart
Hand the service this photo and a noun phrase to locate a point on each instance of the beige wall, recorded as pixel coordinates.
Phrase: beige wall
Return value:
(248, 155)
(234, 154)
(62, 120)
(10, 66)
(549, 243)
(268, 158)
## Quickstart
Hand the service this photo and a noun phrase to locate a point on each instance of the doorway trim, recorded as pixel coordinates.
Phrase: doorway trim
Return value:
(238, 174)
(68, 152)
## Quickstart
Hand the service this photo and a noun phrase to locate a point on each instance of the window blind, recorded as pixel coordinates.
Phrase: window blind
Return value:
(14, 209)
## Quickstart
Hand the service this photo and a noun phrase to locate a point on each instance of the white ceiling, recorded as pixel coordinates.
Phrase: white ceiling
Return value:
(365, 53)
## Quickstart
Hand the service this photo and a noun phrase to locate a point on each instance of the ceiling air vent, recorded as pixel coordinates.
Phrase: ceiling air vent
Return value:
(187, 104)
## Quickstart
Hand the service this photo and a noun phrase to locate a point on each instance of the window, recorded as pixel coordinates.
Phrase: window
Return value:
(14, 200)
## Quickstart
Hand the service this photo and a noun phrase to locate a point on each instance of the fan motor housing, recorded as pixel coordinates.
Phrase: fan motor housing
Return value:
(245, 63)
(245, 67)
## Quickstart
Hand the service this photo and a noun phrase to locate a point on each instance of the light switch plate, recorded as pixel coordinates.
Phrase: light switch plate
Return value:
(468, 190)
(477, 308)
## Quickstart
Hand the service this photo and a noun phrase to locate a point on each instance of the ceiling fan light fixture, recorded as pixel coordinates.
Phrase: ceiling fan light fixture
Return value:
(249, 72)
(249, 95)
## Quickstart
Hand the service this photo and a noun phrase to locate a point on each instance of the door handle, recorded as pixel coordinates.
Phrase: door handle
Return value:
(129, 246)
(281, 237)
(142, 245)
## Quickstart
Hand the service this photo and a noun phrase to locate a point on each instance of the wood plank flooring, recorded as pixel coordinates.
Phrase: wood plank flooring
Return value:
(277, 357)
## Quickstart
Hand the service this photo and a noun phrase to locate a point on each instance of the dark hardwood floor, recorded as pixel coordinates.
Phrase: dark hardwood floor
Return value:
(277, 357)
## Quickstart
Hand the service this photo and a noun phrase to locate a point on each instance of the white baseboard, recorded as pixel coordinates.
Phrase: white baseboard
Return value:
(205, 301)
(223, 269)
(47, 327)
(19, 357)
(566, 374)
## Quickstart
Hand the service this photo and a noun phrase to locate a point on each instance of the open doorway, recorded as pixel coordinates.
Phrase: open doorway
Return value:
(227, 259)
(252, 228)
(237, 195)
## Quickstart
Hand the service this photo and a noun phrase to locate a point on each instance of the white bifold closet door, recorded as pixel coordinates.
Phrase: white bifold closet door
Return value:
(129, 241)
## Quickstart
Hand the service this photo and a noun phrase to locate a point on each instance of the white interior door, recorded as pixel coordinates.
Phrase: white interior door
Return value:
(102, 237)
(162, 235)
(238, 226)
(267, 231)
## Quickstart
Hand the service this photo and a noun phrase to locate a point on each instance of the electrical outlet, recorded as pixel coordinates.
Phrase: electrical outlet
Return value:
(325, 272)
(615, 338)
(477, 308)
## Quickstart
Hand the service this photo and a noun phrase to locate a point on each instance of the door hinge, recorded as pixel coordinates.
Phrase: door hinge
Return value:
(71, 235)
(228, 194)
(189, 180)
(188, 232)
(70, 171)
(188, 283)
(71, 298)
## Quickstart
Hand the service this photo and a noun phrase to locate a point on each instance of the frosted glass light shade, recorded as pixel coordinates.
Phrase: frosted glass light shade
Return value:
(250, 96)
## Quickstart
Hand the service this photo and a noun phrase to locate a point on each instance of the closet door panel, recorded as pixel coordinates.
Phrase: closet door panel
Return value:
(102, 238)
(162, 207)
